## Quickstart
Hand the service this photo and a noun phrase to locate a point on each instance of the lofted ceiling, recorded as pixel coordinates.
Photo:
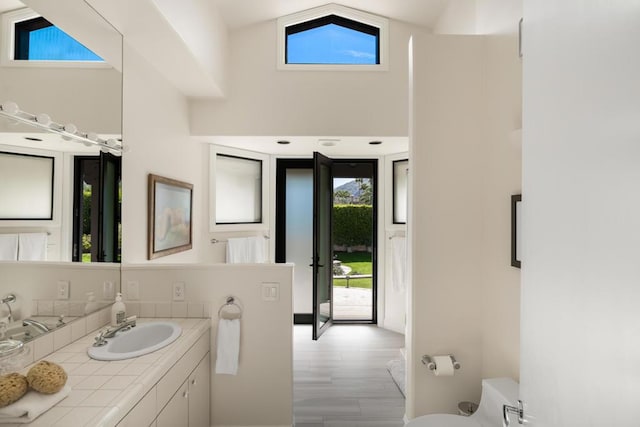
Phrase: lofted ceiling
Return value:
(241, 13)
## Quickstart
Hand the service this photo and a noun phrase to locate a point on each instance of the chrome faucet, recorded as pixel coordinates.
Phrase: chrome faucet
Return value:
(110, 332)
(6, 300)
(36, 324)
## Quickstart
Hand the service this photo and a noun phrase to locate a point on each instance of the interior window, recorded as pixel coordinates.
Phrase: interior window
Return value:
(37, 39)
(332, 40)
(400, 187)
(238, 190)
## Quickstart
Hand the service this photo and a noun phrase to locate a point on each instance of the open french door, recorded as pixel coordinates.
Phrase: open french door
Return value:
(322, 261)
(109, 209)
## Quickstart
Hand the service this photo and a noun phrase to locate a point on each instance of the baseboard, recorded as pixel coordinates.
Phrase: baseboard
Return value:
(303, 318)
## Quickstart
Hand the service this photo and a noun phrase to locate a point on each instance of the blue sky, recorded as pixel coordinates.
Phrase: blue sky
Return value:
(331, 44)
(51, 43)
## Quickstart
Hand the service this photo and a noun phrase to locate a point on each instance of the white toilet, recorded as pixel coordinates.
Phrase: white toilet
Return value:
(495, 393)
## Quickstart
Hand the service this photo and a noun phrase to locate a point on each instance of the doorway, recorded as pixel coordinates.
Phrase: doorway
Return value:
(97, 199)
(351, 272)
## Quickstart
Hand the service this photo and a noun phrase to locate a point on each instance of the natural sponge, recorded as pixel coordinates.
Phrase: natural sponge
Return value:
(46, 377)
(12, 388)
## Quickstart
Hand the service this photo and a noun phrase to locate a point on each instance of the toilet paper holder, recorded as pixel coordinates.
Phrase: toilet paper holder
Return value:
(431, 365)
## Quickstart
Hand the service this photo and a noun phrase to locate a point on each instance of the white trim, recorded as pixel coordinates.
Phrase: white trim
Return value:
(345, 12)
(266, 172)
(9, 19)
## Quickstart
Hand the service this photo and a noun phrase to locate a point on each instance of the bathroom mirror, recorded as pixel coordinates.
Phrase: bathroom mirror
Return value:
(87, 94)
(90, 97)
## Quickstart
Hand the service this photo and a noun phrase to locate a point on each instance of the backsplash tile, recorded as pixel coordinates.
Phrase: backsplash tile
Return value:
(179, 309)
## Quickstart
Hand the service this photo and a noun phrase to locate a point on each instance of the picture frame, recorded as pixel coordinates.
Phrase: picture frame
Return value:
(170, 215)
(516, 216)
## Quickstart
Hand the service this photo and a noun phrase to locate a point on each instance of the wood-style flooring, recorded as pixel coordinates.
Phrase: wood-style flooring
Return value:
(341, 380)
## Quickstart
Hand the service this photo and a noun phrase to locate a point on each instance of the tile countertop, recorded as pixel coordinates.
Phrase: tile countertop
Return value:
(102, 392)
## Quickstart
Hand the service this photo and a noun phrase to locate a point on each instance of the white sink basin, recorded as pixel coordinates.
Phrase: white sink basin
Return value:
(140, 340)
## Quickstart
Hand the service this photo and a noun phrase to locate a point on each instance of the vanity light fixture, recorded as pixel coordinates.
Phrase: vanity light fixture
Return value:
(68, 132)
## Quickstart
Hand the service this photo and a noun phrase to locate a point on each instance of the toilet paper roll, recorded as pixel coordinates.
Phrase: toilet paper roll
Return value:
(444, 366)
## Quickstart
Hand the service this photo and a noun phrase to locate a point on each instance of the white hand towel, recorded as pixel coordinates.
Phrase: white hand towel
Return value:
(246, 250)
(31, 406)
(8, 247)
(228, 343)
(32, 247)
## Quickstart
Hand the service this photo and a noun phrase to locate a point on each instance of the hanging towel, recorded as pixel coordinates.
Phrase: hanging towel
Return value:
(30, 406)
(399, 263)
(32, 247)
(242, 250)
(228, 343)
(8, 247)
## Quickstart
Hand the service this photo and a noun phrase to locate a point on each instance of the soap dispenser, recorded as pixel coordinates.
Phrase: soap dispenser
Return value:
(118, 311)
(91, 304)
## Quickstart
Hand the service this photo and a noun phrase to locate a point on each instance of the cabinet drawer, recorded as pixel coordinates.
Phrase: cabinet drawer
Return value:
(168, 384)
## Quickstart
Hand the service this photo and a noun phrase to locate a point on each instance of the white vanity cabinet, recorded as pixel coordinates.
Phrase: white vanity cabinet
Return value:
(181, 397)
(200, 394)
(189, 406)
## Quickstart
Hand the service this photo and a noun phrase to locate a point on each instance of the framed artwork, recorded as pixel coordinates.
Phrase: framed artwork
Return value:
(170, 214)
(516, 200)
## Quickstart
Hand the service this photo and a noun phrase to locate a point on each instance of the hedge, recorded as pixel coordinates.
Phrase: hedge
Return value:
(352, 225)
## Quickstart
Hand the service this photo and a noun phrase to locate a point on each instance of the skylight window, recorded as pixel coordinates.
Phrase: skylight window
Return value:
(332, 40)
(332, 37)
(39, 40)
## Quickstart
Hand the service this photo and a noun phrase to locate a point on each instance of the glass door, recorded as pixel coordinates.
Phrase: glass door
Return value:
(322, 261)
(109, 209)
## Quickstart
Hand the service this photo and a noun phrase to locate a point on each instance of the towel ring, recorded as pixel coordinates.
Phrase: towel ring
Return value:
(231, 301)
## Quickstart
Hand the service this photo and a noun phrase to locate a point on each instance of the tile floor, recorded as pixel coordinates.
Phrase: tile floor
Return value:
(341, 380)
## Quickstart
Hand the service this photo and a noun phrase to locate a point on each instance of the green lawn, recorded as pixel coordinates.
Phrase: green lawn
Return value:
(360, 263)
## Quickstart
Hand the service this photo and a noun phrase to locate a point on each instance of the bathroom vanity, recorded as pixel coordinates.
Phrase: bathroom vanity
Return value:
(168, 387)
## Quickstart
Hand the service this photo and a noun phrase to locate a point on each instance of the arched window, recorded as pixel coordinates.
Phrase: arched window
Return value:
(332, 37)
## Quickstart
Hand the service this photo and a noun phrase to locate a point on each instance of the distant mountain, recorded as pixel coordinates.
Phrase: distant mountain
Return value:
(351, 187)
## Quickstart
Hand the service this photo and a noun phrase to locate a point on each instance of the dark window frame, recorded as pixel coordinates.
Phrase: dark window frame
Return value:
(22, 30)
(261, 193)
(327, 20)
(393, 185)
(53, 175)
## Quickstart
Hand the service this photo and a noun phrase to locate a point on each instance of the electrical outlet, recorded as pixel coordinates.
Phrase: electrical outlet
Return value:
(63, 289)
(133, 290)
(178, 291)
(108, 290)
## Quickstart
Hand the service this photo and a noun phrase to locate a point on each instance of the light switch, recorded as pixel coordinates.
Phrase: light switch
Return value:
(270, 291)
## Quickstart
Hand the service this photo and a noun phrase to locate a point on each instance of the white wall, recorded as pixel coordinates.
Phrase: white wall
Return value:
(464, 167)
(262, 393)
(264, 101)
(479, 17)
(446, 219)
(156, 130)
(458, 17)
(55, 91)
(581, 214)
(503, 176)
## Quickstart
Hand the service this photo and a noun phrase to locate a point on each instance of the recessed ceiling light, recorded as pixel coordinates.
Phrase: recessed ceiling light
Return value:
(30, 138)
(328, 142)
(375, 142)
(284, 142)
